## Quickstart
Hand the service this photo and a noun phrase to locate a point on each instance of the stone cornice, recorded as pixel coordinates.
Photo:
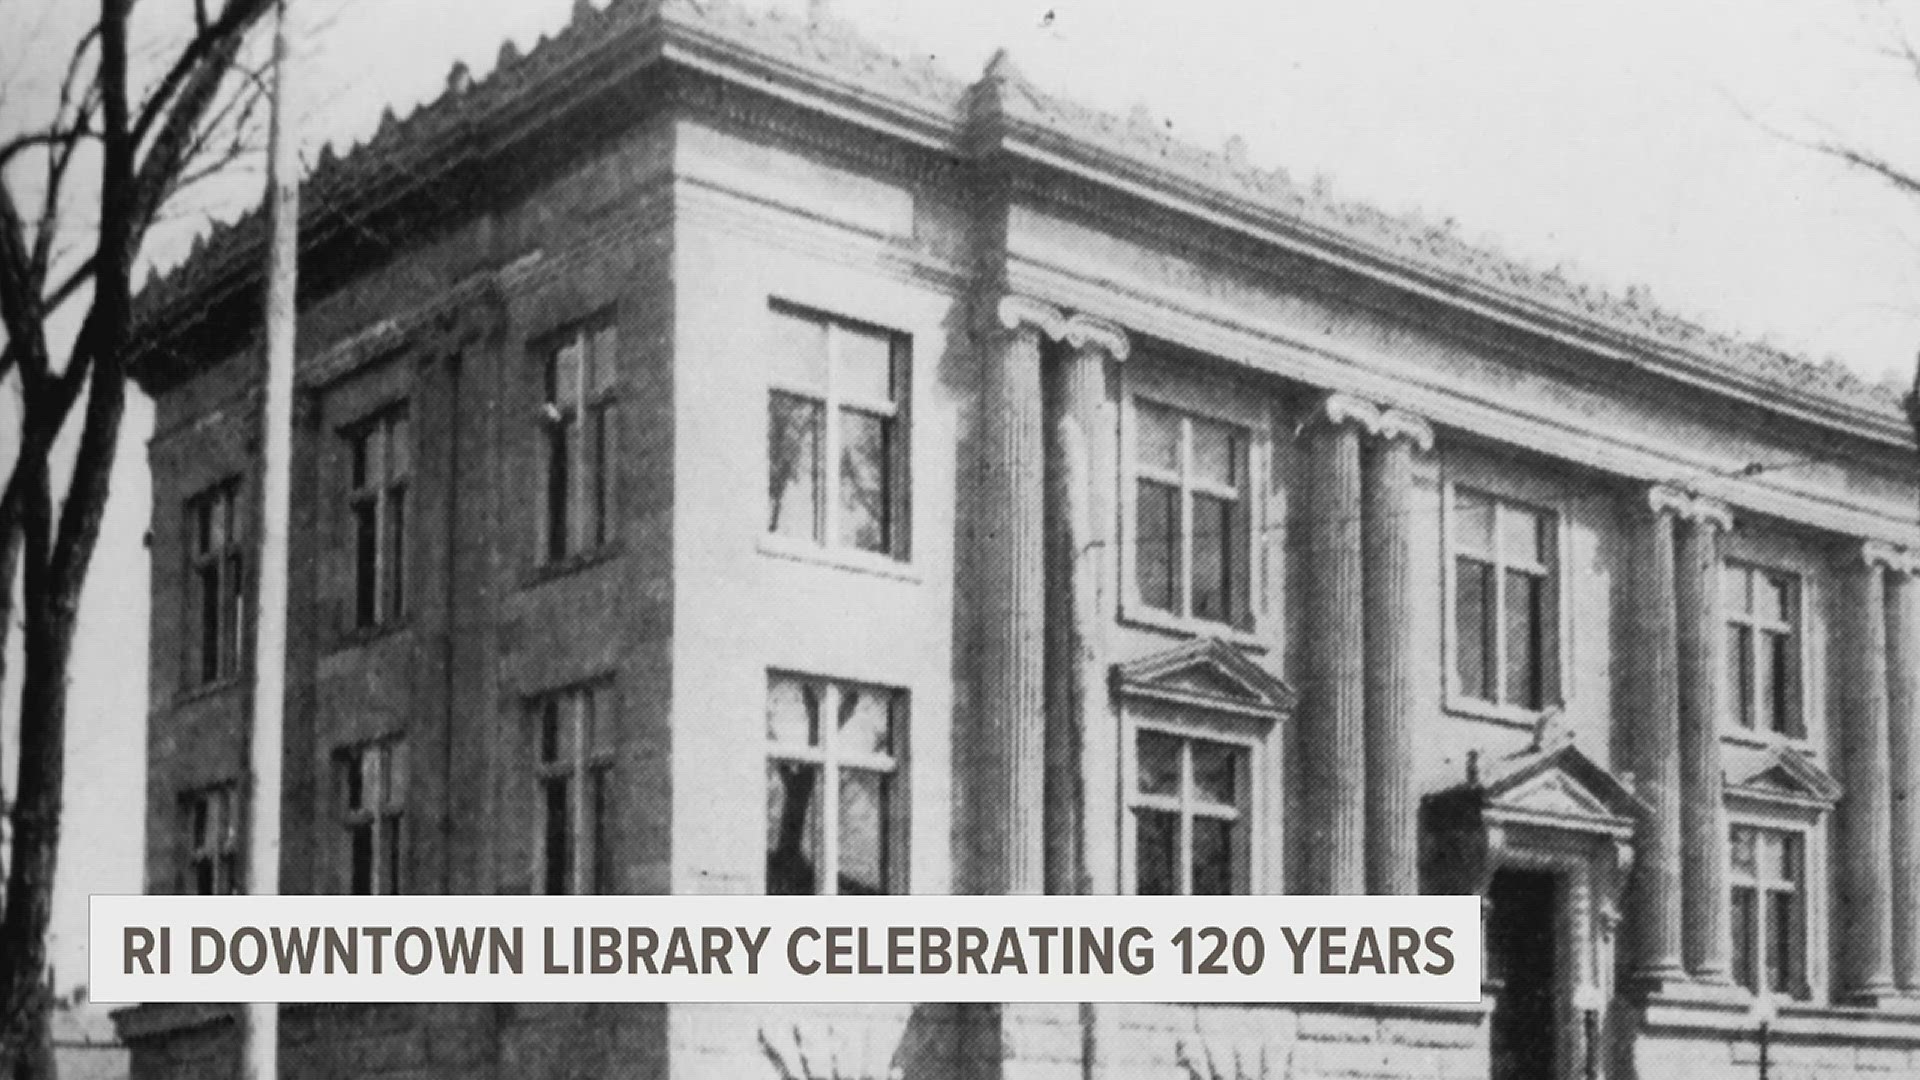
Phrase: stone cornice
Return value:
(1686, 506)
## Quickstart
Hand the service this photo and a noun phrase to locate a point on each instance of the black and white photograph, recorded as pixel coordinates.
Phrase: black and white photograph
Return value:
(972, 448)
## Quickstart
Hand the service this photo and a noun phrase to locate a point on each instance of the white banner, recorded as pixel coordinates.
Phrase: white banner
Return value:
(784, 949)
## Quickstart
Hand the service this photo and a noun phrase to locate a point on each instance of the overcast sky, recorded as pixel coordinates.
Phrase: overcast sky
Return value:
(1634, 143)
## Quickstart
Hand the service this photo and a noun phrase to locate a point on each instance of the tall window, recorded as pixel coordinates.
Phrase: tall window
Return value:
(1190, 546)
(836, 448)
(1505, 602)
(1763, 649)
(381, 460)
(575, 755)
(1769, 910)
(217, 576)
(581, 370)
(835, 811)
(372, 782)
(1189, 814)
(213, 841)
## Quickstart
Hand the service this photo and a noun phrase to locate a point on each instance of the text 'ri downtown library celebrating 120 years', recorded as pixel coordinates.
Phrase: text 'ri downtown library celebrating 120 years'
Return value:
(731, 458)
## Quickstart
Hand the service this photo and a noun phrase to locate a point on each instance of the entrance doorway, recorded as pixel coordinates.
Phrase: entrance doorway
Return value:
(1522, 966)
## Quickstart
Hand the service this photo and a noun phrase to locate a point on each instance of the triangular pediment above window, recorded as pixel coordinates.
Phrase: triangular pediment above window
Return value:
(1206, 673)
(1779, 774)
(1558, 788)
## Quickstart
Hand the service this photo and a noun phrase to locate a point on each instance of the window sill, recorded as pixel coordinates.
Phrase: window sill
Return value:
(201, 691)
(860, 562)
(361, 637)
(1141, 617)
(572, 564)
(1507, 715)
(1768, 740)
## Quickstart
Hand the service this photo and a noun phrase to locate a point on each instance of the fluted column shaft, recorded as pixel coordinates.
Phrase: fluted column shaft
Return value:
(1010, 785)
(1392, 813)
(1903, 753)
(1657, 895)
(1865, 820)
(1333, 728)
(1708, 941)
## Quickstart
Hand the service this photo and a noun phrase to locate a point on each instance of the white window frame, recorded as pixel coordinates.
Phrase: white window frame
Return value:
(1557, 693)
(590, 736)
(383, 492)
(220, 848)
(1813, 857)
(592, 489)
(1238, 407)
(830, 760)
(1253, 736)
(832, 400)
(381, 802)
(1798, 629)
(228, 561)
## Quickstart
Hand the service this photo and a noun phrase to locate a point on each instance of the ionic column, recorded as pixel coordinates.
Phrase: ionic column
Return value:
(1392, 812)
(1903, 754)
(1009, 784)
(1655, 744)
(1866, 809)
(1702, 631)
(1083, 750)
(1333, 721)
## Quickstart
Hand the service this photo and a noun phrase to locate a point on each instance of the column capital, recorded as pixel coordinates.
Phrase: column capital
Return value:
(1015, 312)
(1093, 332)
(1893, 557)
(1337, 410)
(1684, 505)
(1395, 424)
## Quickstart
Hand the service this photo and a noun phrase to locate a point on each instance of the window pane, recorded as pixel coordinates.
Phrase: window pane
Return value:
(1158, 444)
(866, 721)
(353, 789)
(599, 464)
(1156, 547)
(360, 858)
(391, 841)
(1158, 763)
(1217, 581)
(1784, 667)
(1740, 674)
(602, 359)
(1523, 536)
(560, 436)
(1213, 857)
(359, 450)
(793, 829)
(865, 365)
(1156, 845)
(1216, 452)
(1472, 522)
(793, 460)
(1761, 675)
(1783, 937)
(865, 486)
(800, 357)
(198, 825)
(1744, 853)
(551, 732)
(234, 615)
(863, 832)
(793, 712)
(366, 554)
(1733, 590)
(396, 561)
(396, 779)
(1525, 685)
(1473, 628)
(1745, 932)
(1216, 772)
(210, 611)
(563, 373)
(597, 824)
(558, 811)
(1776, 599)
(399, 447)
(202, 512)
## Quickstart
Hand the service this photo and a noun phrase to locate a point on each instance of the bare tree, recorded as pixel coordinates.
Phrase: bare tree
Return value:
(154, 118)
